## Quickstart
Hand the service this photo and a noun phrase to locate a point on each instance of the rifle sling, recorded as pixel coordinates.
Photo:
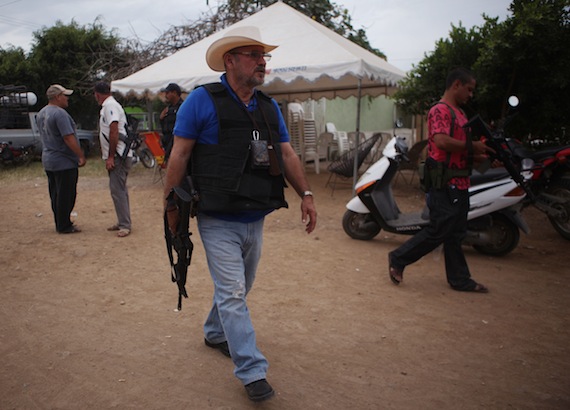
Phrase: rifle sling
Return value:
(468, 143)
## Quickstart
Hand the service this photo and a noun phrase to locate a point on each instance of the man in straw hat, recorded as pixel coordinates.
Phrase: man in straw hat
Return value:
(241, 155)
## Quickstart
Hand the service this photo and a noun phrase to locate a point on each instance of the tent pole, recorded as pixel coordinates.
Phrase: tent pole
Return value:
(356, 142)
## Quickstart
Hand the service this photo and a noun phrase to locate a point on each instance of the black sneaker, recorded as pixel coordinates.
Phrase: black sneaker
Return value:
(259, 390)
(222, 347)
(71, 229)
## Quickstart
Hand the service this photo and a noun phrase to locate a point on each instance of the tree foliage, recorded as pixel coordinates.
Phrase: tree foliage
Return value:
(424, 85)
(526, 55)
(14, 67)
(72, 55)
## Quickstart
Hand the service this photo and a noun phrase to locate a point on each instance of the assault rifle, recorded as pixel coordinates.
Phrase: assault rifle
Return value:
(131, 136)
(502, 153)
(186, 199)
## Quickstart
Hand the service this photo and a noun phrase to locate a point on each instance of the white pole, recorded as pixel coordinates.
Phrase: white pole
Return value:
(355, 170)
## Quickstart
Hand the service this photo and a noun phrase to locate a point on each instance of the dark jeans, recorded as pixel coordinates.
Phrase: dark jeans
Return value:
(167, 141)
(62, 192)
(448, 225)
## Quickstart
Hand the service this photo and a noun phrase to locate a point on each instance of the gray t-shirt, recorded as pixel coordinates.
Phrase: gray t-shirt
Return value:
(54, 123)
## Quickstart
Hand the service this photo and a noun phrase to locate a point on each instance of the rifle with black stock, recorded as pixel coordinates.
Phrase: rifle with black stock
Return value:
(497, 142)
(185, 200)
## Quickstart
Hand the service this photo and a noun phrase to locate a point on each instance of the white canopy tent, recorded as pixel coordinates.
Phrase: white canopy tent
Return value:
(311, 61)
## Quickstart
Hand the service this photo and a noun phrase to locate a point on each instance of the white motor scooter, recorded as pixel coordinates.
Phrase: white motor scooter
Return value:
(494, 217)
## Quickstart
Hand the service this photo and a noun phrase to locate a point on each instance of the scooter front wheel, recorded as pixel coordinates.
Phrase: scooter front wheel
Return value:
(360, 226)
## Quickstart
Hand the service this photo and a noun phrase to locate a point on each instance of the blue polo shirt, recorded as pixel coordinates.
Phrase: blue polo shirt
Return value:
(197, 119)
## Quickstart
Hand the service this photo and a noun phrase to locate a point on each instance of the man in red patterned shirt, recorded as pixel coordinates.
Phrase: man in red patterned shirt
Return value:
(451, 154)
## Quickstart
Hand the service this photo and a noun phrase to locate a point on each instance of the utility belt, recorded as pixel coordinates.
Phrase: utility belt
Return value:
(436, 175)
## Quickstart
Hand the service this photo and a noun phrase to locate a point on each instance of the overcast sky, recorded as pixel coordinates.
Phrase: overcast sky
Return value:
(403, 29)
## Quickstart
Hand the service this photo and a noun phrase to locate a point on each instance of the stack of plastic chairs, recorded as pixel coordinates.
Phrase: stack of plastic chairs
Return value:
(303, 135)
(311, 151)
(295, 116)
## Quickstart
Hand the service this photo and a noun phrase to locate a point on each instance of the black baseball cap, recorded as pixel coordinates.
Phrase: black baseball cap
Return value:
(172, 87)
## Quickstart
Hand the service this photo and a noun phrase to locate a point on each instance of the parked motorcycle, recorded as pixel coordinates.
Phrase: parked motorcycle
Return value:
(135, 142)
(10, 155)
(142, 153)
(549, 188)
(550, 182)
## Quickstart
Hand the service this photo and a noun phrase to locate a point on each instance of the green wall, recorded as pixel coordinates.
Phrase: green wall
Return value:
(375, 113)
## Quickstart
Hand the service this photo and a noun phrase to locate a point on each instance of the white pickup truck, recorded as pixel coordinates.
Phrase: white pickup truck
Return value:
(24, 136)
(18, 126)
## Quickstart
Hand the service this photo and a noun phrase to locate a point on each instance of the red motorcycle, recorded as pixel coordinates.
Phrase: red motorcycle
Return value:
(550, 183)
(10, 155)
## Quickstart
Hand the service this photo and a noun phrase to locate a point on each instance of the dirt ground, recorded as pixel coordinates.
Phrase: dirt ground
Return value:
(87, 321)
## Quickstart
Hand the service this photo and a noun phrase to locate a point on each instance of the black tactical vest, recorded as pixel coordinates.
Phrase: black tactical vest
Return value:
(223, 173)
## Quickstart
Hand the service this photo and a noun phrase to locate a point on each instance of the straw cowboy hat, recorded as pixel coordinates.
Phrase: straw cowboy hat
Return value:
(238, 37)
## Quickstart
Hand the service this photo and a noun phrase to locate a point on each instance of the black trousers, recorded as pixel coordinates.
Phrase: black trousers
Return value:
(167, 142)
(62, 192)
(448, 226)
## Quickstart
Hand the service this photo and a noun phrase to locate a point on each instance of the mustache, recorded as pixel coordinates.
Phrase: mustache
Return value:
(260, 68)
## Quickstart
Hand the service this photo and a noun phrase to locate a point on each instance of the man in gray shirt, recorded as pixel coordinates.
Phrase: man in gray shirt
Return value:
(61, 156)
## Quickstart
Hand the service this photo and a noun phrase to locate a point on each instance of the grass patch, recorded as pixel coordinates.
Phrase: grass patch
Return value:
(95, 167)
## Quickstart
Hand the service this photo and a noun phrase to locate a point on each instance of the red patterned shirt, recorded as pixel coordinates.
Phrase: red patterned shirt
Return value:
(439, 122)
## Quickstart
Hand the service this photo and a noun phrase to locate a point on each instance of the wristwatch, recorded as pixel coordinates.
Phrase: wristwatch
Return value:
(306, 193)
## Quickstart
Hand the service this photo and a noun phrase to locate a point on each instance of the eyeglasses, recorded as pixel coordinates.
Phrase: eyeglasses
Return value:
(256, 55)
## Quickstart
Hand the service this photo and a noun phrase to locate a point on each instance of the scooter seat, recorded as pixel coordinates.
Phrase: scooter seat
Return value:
(543, 154)
(491, 175)
(537, 156)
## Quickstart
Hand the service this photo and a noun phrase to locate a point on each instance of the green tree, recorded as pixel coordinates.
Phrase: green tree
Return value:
(526, 55)
(424, 85)
(15, 67)
(76, 57)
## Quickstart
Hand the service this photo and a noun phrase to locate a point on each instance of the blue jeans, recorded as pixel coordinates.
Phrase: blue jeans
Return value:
(233, 250)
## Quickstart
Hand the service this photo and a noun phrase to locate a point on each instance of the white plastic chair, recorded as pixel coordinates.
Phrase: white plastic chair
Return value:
(343, 141)
(340, 143)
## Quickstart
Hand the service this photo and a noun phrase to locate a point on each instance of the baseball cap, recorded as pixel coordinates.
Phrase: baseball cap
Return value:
(56, 89)
(172, 87)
